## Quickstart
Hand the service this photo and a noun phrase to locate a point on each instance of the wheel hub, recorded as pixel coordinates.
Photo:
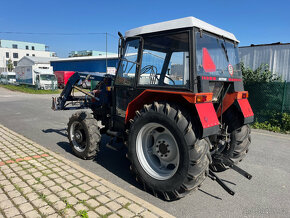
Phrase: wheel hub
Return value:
(78, 136)
(157, 151)
(162, 148)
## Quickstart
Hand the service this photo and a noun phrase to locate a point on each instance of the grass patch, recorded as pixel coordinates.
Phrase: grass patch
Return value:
(83, 213)
(30, 90)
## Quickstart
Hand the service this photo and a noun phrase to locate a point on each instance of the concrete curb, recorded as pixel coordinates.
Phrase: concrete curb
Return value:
(132, 197)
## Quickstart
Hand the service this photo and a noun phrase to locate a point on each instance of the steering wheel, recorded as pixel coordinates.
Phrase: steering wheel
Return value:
(170, 80)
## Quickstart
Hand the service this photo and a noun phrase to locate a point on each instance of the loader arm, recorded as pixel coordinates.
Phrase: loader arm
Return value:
(67, 101)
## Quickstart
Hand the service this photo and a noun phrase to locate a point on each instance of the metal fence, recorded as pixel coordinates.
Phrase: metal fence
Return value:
(268, 99)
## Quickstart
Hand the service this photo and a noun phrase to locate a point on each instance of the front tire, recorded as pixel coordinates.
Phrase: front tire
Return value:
(84, 135)
(166, 156)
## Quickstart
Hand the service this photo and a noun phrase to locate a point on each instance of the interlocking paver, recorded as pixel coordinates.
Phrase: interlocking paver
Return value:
(93, 203)
(93, 192)
(102, 210)
(14, 193)
(125, 213)
(113, 206)
(82, 196)
(19, 200)
(39, 203)
(84, 187)
(123, 201)
(147, 214)
(66, 185)
(47, 210)
(25, 207)
(42, 184)
(59, 205)
(5, 204)
(103, 199)
(70, 213)
(135, 208)
(74, 190)
(72, 200)
(64, 194)
(52, 198)
(80, 207)
(11, 212)
(32, 214)
(32, 196)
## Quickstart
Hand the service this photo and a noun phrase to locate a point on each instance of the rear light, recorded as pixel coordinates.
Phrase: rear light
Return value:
(241, 95)
(205, 97)
(245, 95)
(201, 98)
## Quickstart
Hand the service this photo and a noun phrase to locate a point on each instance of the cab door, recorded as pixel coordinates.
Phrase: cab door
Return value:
(125, 81)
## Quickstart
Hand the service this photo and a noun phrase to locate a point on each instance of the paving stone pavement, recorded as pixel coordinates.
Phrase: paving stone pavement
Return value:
(35, 182)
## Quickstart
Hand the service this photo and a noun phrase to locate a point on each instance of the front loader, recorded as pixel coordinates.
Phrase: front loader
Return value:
(177, 103)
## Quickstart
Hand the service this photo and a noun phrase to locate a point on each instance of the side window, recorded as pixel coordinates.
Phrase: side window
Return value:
(128, 65)
(165, 60)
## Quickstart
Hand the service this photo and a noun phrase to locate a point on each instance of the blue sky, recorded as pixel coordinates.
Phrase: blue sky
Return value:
(252, 22)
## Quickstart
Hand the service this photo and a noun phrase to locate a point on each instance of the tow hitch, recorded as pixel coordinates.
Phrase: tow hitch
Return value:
(229, 163)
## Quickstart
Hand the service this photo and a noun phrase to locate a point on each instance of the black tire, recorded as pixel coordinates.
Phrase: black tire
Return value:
(193, 153)
(240, 139)
(86, 145)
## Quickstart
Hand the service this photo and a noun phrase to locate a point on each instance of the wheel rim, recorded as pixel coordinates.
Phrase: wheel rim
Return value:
(157, 151)
(78, 136)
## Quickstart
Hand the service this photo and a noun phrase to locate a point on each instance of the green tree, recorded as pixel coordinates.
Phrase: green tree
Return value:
(10, 65)
(261, 74)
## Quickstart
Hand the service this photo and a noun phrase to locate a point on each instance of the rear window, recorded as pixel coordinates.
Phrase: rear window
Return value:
(216, 57)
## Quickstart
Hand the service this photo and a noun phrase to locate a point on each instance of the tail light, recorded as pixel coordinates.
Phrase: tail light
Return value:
(203, 97)
(241, 95)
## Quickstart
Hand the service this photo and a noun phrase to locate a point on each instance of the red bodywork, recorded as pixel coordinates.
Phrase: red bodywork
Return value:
(63, 77)
(243, 103)
(205, 110)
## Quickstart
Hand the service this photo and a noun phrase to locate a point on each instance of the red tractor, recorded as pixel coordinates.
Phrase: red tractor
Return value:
(177, 102)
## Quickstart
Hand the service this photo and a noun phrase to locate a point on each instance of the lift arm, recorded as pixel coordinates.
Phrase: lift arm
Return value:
(60, 103)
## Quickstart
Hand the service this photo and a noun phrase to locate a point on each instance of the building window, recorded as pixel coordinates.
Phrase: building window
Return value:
(14, 46)
(27, 47)
(15, 63)
(33, 55)
(27, 54)
(32, 47)
(15, 55)
(7, 54)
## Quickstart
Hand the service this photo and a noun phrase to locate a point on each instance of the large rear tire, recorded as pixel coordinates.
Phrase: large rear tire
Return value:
(165, 154)
(240, 139)
(84, 135)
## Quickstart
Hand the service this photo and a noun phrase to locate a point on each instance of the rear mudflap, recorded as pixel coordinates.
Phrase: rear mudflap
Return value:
(246, 110)
(208, 118)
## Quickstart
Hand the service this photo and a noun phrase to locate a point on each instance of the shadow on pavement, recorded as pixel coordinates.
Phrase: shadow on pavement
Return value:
(61, 132)
(211, 195)
(112, 158)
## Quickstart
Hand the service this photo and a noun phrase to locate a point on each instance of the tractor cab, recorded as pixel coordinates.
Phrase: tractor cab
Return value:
(184, 55)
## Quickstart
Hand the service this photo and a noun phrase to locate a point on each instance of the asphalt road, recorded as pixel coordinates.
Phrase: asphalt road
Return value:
(266, 195)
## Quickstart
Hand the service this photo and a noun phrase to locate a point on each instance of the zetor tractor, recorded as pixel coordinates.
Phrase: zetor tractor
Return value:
(177, 102)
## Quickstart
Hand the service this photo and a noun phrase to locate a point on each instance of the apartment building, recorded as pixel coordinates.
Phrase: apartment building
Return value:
(15, 50)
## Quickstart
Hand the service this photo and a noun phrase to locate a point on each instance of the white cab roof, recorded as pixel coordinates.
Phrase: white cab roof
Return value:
(178, 24)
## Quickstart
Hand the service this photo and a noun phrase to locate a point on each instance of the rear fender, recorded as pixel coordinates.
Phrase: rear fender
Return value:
(208, 121)
(241, 103)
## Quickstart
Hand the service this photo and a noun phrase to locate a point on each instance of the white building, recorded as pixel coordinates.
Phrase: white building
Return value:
(276, 55)
(15, 50)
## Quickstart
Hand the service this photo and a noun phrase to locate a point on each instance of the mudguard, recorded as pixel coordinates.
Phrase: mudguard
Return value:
(207, 115)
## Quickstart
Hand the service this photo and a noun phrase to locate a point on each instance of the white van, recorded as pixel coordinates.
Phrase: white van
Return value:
(8, 78)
